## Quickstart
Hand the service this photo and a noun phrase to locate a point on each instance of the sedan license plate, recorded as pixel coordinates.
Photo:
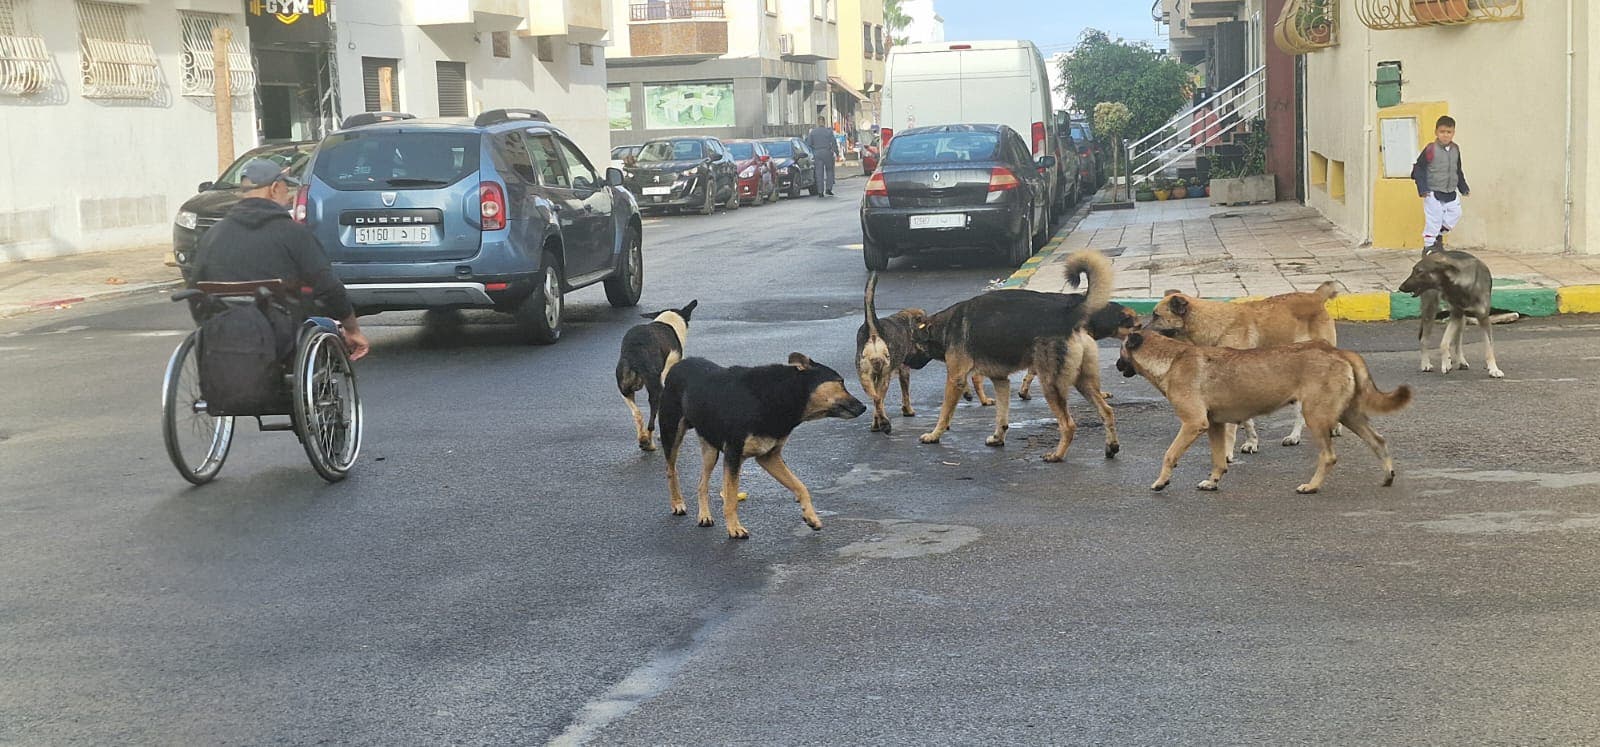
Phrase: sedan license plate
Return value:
(394, 235)
(941, 220)
(658, 190)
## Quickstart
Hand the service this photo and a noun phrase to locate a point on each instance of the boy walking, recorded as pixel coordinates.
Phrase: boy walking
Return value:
(1441, 184)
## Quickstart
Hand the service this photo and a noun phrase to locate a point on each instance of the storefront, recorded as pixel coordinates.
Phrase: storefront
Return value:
(297, 80)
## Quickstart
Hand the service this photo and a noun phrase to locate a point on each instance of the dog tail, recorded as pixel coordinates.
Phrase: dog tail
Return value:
(872, 309)
(1098, 268)
(1373, 399)
(1328, 290)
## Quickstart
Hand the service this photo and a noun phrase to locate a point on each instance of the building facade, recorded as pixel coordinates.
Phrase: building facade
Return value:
(110, 110)
(857, 76)
(740, 68)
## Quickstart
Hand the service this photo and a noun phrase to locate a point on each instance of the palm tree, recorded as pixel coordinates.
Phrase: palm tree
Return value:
(895, 20)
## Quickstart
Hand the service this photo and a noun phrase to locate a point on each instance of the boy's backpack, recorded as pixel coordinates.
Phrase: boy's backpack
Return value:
(242, 350)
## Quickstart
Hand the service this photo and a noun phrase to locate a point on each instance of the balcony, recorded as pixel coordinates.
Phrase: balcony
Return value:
(1228, 9)
(583, 20)
(1306, 26)
(480, 15)
(677, 28)
(1410, 14)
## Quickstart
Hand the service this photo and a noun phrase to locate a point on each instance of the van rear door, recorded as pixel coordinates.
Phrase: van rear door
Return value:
(921, 93)
(998, 87)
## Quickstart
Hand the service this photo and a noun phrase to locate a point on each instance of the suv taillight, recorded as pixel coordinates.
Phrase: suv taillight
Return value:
(1001, 179)
(492, 202)
(301, 197)
(876, 186)
(1038, 139)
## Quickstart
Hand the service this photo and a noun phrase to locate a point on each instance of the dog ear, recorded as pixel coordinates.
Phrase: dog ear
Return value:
(1170, 292)
(1134, 341)
(1178, 303)
(800, 361)
(687, 310)
(650, 316)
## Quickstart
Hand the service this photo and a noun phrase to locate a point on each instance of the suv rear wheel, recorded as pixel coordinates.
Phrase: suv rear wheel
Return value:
(540, 314)
(624, 288)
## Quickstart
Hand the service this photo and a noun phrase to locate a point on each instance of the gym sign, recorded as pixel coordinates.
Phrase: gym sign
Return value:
(276, 21)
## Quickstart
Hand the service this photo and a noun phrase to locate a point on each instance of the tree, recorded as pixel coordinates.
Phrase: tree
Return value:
(895, 20)
(1111, 120)
(1152, 86)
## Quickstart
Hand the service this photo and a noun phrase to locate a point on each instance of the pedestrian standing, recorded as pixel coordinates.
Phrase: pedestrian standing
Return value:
(1440, 183)
(825, 148)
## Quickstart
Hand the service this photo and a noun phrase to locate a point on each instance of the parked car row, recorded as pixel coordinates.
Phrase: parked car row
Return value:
(702, 173)
(500, 212)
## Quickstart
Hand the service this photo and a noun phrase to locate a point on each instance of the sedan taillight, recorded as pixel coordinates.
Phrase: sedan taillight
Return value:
(492, 205)
(876, 186)
(1001, 179)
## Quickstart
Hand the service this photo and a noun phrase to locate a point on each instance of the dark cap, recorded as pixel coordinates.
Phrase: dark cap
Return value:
(260, 172)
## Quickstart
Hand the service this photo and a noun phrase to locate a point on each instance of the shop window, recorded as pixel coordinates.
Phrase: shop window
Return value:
(200, 59)
(452, 81)
(380, 84)
(1319, 170)
(1336, 180)
(24, 63)
(118, 61)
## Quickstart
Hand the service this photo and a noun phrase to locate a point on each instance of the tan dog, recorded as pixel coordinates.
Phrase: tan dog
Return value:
(883, 349)
(1210, 387)
(1277, 320)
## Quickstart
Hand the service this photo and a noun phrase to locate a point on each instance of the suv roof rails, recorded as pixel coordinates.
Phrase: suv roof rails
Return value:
(496, 116)
(366, 118)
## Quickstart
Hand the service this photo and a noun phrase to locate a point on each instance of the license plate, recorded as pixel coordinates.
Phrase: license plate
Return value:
(658, 190)
(942, 220)
(395, 235)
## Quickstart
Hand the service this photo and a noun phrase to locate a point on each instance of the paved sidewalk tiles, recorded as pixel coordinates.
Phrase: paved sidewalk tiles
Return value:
(43, 284)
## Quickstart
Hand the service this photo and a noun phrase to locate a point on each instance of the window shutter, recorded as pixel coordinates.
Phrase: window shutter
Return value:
(369, 82)
(452, 78)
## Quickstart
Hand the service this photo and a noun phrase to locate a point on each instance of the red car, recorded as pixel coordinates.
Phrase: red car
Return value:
(758, 177)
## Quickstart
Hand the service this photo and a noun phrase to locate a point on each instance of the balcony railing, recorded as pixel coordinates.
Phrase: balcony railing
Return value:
(1407, 14)
(1307, 26)
(675, 10)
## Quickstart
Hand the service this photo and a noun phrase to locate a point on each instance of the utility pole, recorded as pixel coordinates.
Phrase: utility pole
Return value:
(222, 93)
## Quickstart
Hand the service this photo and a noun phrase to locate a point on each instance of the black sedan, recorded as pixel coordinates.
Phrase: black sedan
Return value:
(203, 210)
(694, 173)
(797, 167)
(956, 186)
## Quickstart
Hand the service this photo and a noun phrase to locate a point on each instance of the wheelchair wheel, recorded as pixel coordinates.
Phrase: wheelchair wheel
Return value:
(197, 442)
(327, 407)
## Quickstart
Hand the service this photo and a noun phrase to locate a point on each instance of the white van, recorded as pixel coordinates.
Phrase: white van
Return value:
(979, 82)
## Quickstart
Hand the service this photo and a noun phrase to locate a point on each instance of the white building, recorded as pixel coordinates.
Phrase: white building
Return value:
(109, 115)
(1059, 99)
(926, 23)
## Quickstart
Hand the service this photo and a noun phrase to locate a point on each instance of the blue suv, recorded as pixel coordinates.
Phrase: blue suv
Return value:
(499, 212)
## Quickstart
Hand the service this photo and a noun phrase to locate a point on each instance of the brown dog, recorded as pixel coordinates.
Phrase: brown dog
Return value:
(1277, 320)
(884, 348)
(1210, 387)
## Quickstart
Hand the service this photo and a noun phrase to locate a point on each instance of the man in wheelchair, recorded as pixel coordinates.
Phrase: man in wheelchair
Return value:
(258, 240)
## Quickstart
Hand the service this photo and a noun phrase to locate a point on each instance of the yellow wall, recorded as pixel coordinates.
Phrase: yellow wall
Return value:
(853, 64)
(1505, 83)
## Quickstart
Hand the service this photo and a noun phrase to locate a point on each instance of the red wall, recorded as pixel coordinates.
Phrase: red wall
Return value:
(1281, 128)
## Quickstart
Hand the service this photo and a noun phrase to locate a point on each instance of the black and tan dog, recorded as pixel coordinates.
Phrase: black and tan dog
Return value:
(1210, 387)
(1264, 322)
(1115, 320)
(1002, 332)
(884, 348)
(649, 351)
(743, 413)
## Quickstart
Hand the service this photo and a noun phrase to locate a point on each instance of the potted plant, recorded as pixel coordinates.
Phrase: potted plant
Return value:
(1440, 11)
(1144, 194)
(1198, 189)
(1163, 189)
(1314, 23)
(1245, 180)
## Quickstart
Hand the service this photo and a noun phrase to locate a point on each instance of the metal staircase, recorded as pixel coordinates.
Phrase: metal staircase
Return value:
(1206, 124)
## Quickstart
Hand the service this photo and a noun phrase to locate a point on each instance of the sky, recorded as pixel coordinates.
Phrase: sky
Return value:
(1052, 25)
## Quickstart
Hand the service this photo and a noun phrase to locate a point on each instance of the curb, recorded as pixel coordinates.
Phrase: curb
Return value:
(33, 306)
(1028, 268)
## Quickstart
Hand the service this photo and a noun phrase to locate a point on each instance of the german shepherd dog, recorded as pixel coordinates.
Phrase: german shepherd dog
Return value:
(884, 348)
(1210, 387)
(1465, 284)
(742, 413)
(1001, 332)
(1276, 320)
(1115, 320)
(649, 351)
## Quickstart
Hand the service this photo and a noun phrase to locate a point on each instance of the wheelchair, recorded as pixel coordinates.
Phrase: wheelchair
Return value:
(318, 396)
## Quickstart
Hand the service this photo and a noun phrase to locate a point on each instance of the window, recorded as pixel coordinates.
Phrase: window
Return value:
(877, 41)
(586, 54)
(513, 150)
(659, 151)
(501, 42)
(866, 39)
(365, 160)
(772, 7)
(619, 106)
(547, 160)
(24, 64)
(199, 56)
(939, 147)
(452, 80)
(774, 102)
(544, 48)
(380, 84)
(583, 176)
(817, 10)
(118, 62)
(833, 10)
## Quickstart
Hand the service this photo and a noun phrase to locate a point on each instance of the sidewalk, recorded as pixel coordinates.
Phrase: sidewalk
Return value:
(1263, 250)
(44, 284)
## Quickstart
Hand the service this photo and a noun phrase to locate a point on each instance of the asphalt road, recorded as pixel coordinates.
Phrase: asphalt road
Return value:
(502, 567)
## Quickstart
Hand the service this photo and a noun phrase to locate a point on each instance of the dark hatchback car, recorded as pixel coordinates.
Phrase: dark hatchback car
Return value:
(956, 186)
(797, 168)
(202, 211)
(681, 173)
(500, 212)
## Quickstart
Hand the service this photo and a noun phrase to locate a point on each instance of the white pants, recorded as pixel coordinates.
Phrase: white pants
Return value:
(1438, 216)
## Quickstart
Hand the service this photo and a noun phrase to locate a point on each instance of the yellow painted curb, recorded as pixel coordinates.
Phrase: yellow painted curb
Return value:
(1578, 299)
(1360, 307)
(1246, 299)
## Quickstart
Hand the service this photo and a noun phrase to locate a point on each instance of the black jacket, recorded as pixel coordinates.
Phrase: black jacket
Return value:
(257, 240)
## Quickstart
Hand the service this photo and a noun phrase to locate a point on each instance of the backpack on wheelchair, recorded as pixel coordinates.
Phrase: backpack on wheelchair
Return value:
(258, 354)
